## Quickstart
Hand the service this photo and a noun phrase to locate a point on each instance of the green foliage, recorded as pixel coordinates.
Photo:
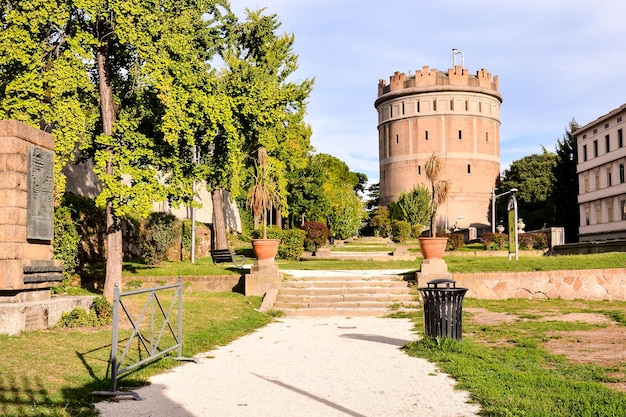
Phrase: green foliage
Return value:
(455, 241)
(316, 235)
(412, 207)
(291, 244)
(565, 187)
(533, 176)
(381, 221)
(347, 212)
(400, 230)
(494, 241)
(65, 244)
(532, 240)
(158, 234)
(100, 313)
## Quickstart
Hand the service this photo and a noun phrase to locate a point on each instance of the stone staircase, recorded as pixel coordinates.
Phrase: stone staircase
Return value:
(349, 293)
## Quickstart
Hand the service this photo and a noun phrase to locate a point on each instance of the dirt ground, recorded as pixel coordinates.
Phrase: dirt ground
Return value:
(604, 347)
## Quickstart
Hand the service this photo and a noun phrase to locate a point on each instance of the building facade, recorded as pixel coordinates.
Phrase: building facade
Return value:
(453, 113)
(601, 178)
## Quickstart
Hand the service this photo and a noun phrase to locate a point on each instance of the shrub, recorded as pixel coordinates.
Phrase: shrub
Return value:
(291, 244)
(400, 230)
(532, 240)
(494, 241)
(100, 313)
(316, 235)
(65, 245)
(381, 222)
(158, 234)
(455, 241)
(416, 230)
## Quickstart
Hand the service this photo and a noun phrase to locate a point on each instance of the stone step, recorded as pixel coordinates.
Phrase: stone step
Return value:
(357, 294)
(344, 284)
(336, 298)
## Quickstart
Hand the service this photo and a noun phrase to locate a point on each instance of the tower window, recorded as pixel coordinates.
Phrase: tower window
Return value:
(419, 170)
(469, 169)
(480, 106)
(486, 136)
(452, 104)
(466, 105)
(434, 105)
(403, 108)
(397, 139)
(418, 106)
(426, 135)
(460, 134)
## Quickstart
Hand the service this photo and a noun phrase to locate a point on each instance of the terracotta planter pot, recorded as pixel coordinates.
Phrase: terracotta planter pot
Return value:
(433, 247)
(265, 249)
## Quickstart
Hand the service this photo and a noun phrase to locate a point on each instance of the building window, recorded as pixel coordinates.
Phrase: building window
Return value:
(620, 139)
(587, 213)
(434, 105)
(469, 169)
(426, 135)
(480, 106)
(451, 104)
(584, 152)
(621, 173)
(606, 125)
(418, 106)
(585, 136)
(595, 131)
(598, 205)
(623, 208)
(397, 139)
(595, 148)
(486, 136)
(619, 119)
(596, 179)
(609, 209)
(460, 134)
(466, 105)
(609, 181)
(586, 183)
(419, 170)
(607, 143)
(402, 107)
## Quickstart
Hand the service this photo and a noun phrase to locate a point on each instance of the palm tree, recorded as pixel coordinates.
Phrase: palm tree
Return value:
(439, 188)
(263, 193)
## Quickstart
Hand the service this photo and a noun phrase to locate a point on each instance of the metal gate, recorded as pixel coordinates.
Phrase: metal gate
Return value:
(149, 338)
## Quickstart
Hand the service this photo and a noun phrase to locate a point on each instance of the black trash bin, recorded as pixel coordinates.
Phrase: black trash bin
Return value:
(443, 309)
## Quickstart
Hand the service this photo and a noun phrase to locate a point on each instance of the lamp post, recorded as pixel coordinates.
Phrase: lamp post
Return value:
(493, 205)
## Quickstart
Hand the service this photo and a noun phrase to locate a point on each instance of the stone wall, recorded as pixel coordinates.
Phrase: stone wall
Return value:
(588, 284)
(26, 266)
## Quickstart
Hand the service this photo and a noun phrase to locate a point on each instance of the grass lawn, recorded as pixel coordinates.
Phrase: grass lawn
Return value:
(53, 372)
(508, 369)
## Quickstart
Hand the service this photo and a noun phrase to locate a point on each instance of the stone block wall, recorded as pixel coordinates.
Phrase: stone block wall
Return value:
(16, 251)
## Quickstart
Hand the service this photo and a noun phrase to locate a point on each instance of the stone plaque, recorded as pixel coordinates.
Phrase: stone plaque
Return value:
(40, 209)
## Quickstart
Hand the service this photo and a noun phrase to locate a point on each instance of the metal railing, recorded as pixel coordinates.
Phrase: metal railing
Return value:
(149, 339)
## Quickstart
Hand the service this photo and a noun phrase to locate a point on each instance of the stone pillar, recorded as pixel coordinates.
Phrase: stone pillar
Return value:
(27, 270)
(263, 276)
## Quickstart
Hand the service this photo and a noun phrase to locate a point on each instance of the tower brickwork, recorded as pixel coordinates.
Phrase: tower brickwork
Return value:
(453, 113)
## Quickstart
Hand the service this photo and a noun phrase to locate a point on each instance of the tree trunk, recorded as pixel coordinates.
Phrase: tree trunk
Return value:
(279, 218)
(220, 241)
(114, 250)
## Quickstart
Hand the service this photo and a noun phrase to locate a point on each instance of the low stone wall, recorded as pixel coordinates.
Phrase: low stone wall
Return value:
(589, 284)
(209, 283)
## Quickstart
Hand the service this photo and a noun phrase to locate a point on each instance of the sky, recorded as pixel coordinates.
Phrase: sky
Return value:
(556, 60)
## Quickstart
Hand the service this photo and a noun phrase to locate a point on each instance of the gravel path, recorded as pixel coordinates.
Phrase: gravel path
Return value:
(313, 367)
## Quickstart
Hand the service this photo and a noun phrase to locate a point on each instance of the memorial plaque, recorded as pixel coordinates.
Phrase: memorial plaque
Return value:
(40, 209)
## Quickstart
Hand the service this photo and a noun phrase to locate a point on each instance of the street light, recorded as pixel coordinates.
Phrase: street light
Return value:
(493, 205)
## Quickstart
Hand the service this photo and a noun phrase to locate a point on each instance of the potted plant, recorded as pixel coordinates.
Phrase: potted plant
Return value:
(433, 247)
(261, 197)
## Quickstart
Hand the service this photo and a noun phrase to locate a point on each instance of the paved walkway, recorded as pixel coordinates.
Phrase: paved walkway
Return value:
(313, 367)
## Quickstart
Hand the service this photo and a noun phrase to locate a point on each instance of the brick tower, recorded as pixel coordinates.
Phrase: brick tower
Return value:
(455, 114)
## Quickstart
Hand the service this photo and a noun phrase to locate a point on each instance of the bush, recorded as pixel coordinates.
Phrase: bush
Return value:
(100, 313)
(400, 230)
(494, 241)
(416, 230)
(291, 244)
(158, 234)
(532, 240)
(65, 244)
(316, 235)
(455, 241)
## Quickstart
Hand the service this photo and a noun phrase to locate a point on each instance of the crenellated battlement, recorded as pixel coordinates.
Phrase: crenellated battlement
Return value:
(426, 77)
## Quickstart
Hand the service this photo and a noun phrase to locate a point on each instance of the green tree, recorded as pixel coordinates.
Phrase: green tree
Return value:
(346, 212)
(533, 176)
(412, 207)
(142, 69)
(565, 187)
(268, 108)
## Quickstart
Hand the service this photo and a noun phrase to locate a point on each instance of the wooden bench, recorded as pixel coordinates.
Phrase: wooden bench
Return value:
(220, 256)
